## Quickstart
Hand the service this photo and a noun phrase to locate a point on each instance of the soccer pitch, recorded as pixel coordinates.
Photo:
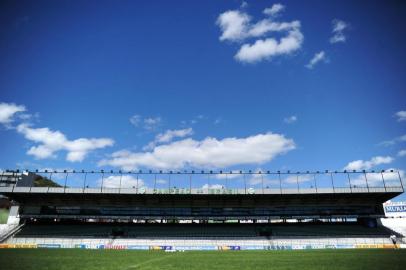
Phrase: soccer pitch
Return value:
(124, 259)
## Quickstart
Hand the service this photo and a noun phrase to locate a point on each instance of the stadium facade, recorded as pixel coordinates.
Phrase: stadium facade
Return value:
(186, 210)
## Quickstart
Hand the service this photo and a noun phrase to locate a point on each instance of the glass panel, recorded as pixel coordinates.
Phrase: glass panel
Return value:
(271, 182)
(391, 179)
(200, 181)
(162, 182)
(117, 180)
(42, 179)
(358, 180)
(217, 181)
(74, 180)
(341, 180)
(375, 179)
(93, 180)
(323, 181)
(146, 180)
(179, 181)
(290, 181)
(254, 181)
(307, 181)
(233, 180)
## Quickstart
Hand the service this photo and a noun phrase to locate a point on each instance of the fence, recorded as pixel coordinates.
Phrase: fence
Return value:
(200, 182)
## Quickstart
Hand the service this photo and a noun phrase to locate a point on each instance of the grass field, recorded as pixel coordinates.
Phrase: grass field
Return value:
(124, 259)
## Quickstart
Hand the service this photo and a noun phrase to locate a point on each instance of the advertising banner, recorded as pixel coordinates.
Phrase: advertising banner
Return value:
(254, 247)
(345, 246)
(160, 248)
(229, 248)
(196, 248)
(49, 245)
(115, 247)
(135, 247)
(25, 245)
(280, 247)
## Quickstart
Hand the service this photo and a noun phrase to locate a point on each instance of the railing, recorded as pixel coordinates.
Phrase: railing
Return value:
(200, 182)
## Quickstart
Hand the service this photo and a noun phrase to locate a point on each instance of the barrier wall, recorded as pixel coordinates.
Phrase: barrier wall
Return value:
(201, 248)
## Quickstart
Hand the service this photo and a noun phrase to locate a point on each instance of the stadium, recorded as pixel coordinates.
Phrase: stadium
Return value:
(190, 211)
(210, 135)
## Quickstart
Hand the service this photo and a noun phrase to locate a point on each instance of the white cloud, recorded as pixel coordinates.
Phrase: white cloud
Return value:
(274, 10)
(265, 49)
(217, 121)
(53, 141)
(135, 120)
(149, 123)
(127, 181)
(290, 120)
(8, 110)
(338, 31)
(402, 153)
(401, 115)
(207, 153)
(318, 57)
(236, 26)
(368, 164)
(394, 141)
(168, 136)
(152, 123)
(264, 26)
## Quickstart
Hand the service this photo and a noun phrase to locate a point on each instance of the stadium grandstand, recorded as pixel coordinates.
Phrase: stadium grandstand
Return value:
(202, 210)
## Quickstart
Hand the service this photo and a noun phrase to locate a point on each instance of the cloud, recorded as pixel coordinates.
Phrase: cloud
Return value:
(7, 112)
(149, 123)
(290, 120)
(318, 57)
(244, 4)
(233, 24)
(401, 116)
(217, 121)
(54, 141)
(152, 123)
(127, 181)
(274, 10)
(168, 136)
(402, 153)
(265, 49)
(135, 120)
(338, 31)
(207, 153)
(236, 26)
(394, 141)
(368, 164)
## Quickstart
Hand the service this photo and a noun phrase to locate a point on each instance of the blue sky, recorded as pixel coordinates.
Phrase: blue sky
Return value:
(219, 84)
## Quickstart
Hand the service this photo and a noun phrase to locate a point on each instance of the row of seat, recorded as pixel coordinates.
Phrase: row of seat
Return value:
(198, 230)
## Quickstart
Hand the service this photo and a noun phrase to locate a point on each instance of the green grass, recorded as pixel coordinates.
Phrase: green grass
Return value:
(63, 259)
(3, 216)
